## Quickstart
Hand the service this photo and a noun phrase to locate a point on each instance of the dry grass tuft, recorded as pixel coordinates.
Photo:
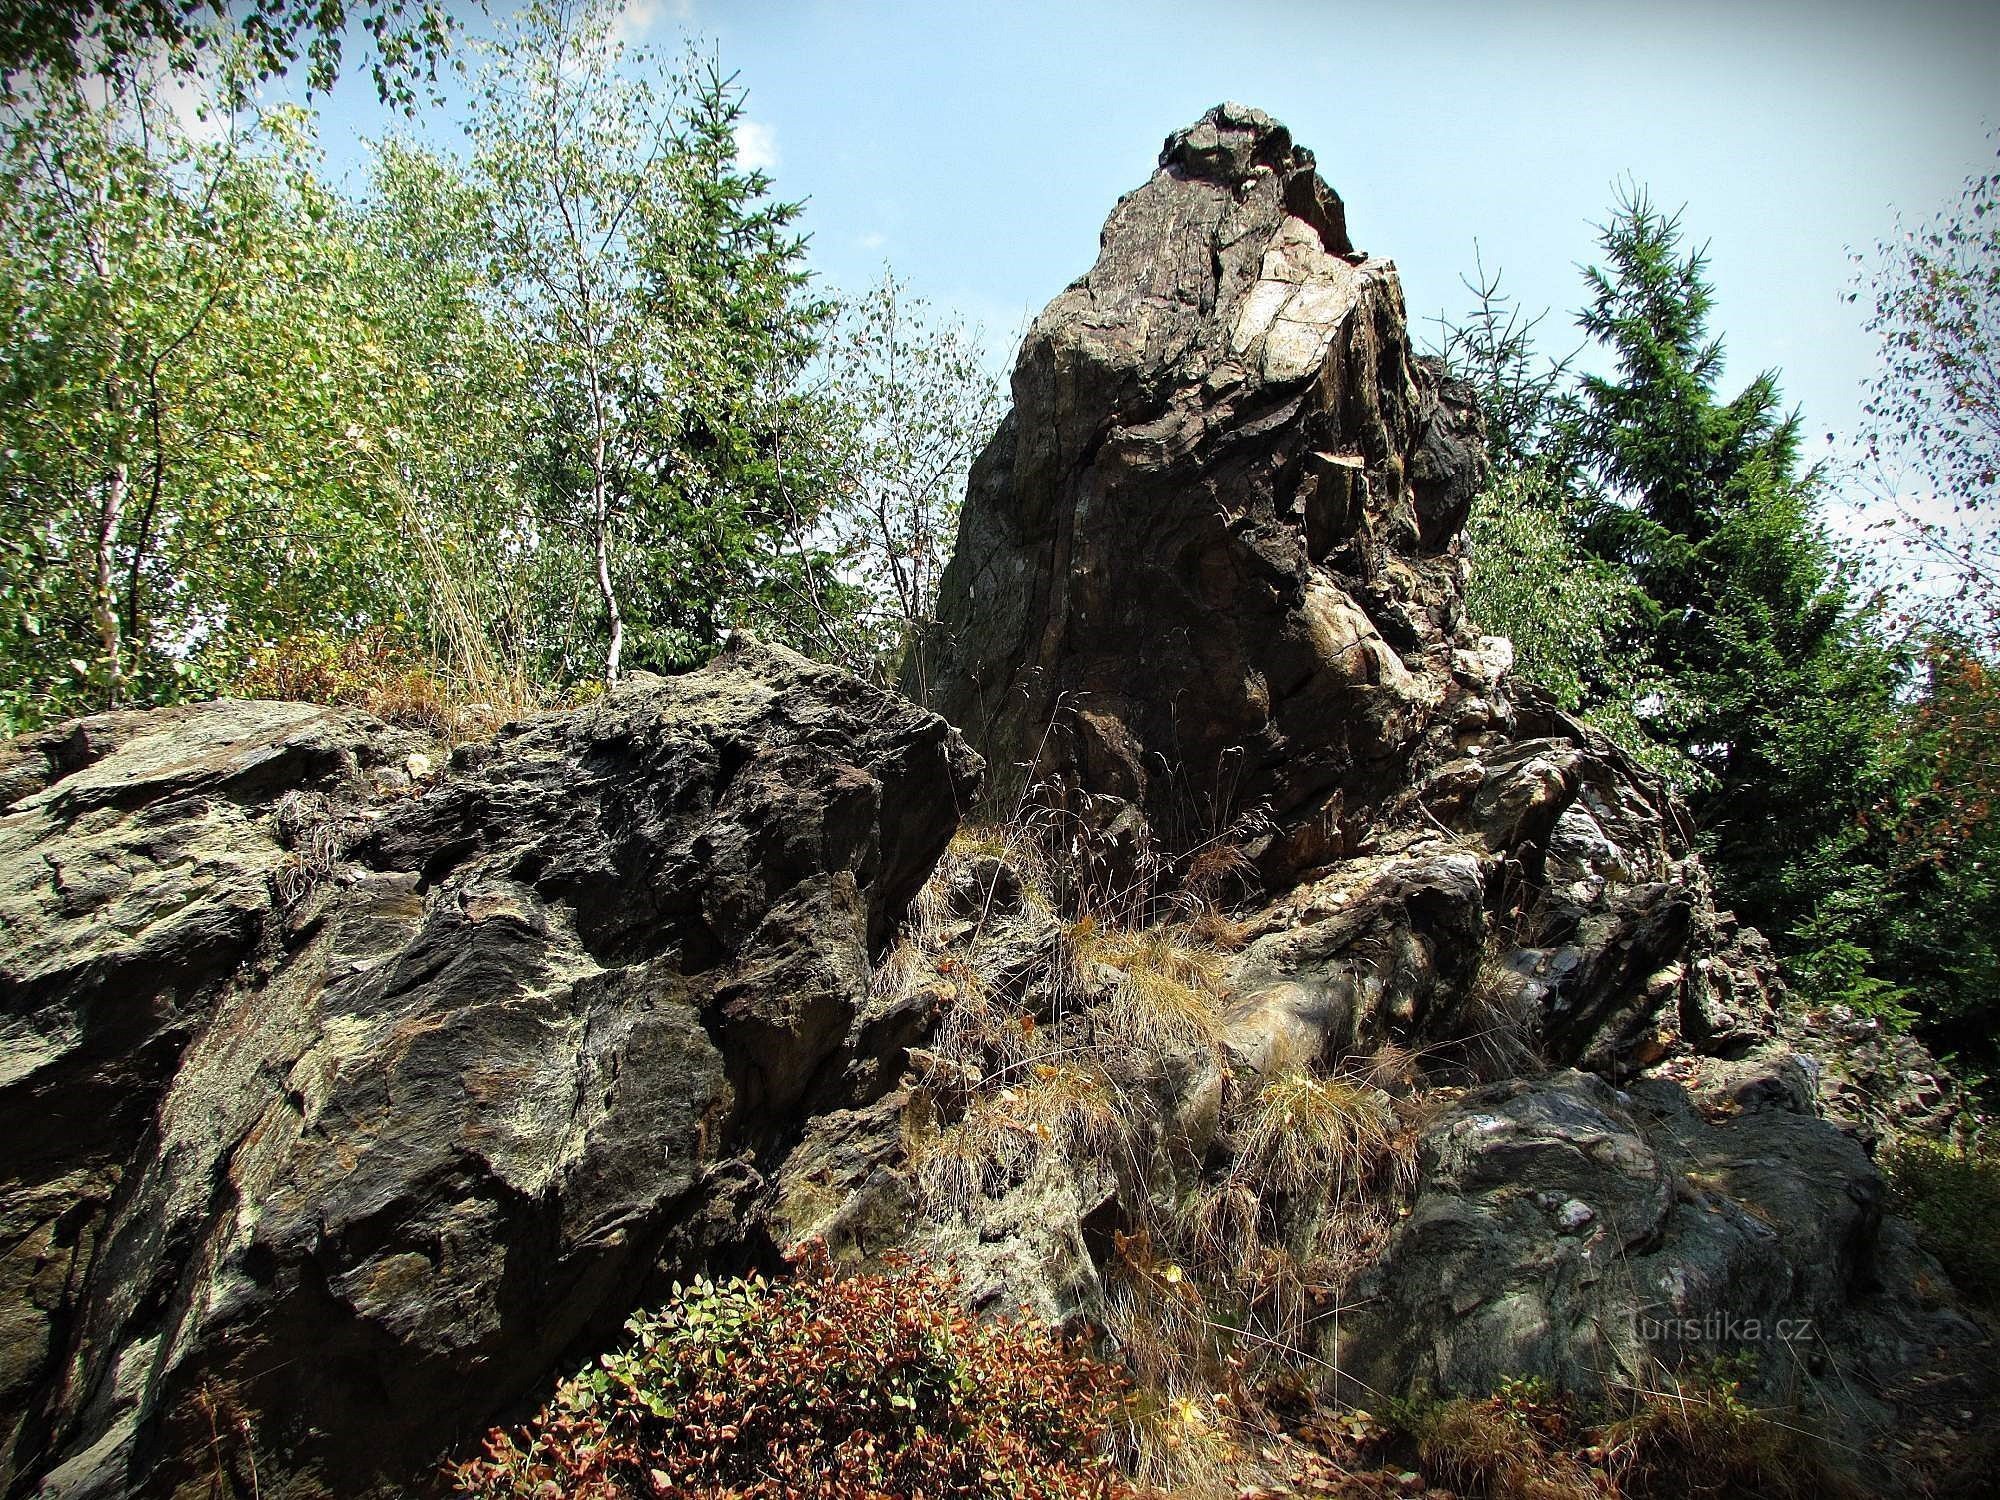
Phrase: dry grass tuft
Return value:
(1698, 1436)
(1071, 1107)
(1211, 927)
(1168, 995)
(1323, 1140)
(1695, 1436)
(1214, 868)
(371, 671)
(1499, 1025)
(1230, 1255)
(1499, 1448)
(1394, 1069)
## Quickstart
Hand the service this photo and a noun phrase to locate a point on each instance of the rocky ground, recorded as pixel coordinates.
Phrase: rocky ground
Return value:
(1303, 1005)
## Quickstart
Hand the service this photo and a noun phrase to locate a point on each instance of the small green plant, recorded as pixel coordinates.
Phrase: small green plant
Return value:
(822, 1388)
(1952, 1191)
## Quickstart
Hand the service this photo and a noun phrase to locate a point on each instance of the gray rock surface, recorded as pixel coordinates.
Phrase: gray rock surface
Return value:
(1569, 1230)
(1206, 563)
(341, 1120)
(1208, 591)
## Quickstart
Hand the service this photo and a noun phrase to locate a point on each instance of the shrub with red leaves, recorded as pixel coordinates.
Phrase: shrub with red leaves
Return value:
(820, 1387)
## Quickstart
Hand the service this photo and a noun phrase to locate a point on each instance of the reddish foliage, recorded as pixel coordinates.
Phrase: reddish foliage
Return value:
(819, 1387)
(1960, 719)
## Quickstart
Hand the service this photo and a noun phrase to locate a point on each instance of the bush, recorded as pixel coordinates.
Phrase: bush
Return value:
(367, 671)
(817, 1387)
(1953, 1193)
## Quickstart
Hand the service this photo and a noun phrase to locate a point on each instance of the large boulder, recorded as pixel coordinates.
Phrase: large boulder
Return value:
(1589, 1235)
(342, 1111)
(1207, 563)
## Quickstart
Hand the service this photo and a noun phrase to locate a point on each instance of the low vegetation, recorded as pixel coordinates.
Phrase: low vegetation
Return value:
(1952, 1191)
(1696, 1434)
(1083, 1028)
(816, 1387)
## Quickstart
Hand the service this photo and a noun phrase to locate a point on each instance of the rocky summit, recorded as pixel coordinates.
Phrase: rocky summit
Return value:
(1207, 567)
(355, 1089)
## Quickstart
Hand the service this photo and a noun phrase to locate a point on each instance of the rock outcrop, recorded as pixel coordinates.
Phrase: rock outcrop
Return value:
(342, 1111)
(1208, 595)
(1207, 563)
(348, 1101)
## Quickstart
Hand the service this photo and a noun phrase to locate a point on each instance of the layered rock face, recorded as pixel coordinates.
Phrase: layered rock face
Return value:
(1206, 564)
(349, 1100)
(342, 1109)
(1208, 592)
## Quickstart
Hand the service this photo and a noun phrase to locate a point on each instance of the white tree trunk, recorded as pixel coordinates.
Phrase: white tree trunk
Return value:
(104, 597)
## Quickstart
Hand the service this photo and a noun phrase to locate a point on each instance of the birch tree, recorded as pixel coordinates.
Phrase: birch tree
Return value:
(647, 281)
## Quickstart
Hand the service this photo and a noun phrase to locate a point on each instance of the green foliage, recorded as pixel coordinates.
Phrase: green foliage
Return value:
(1784, 696)
(483, 413)
(64, 40)
(199, 418)
(649, 286)
(1952, 1191)
(1572, 617)
(818, 1387)
(1934, 431)
(916, 403)
(1656, 546)
(1934, 405)
(1941, 829)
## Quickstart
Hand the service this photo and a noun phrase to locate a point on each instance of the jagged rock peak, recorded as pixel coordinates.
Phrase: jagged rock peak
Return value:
(1226, 143)
(1215, 542)
(1233, 144)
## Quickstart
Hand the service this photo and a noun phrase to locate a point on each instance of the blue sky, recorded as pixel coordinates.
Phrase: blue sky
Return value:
(978, 147)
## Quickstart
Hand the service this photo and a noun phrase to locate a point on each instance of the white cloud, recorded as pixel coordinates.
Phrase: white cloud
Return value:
(637, 17)
(193, 102)
(756, 146)
(874, 239)
(195, 105)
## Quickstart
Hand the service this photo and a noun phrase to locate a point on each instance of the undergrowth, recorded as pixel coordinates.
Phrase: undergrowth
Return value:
(1951, 1190)
(371, 671)
(822, 1388)
(1696, 1434)
(1245, 1207)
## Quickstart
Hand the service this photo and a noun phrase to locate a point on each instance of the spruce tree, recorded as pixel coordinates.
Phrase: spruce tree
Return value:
(1780, 694)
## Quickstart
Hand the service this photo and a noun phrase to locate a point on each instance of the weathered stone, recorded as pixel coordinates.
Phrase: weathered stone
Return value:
(1566, 1230)
(1393, 945)
(350, 1101)
(372, 1112)
(1207, 587)
(1212, 532)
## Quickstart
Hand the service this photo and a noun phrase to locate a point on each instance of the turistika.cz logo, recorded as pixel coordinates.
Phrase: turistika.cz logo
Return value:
(1726, 1328)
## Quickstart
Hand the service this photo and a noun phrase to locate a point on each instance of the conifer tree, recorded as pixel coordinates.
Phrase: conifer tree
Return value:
(1781, 696)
